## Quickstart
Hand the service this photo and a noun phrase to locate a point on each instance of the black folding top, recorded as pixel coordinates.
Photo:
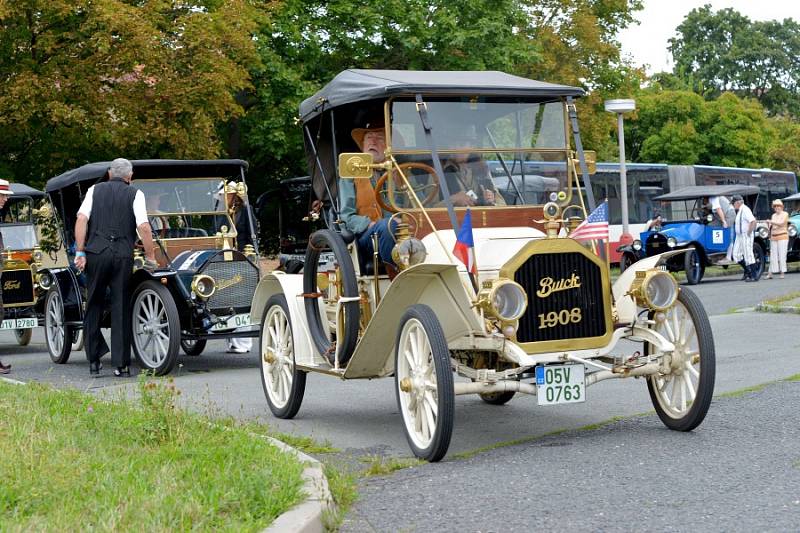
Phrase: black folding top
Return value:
(152, 168)
(356, 84)
(25, 190)
(795, 196)
(698, 191)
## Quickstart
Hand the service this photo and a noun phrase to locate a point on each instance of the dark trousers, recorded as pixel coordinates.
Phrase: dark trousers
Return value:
(104, 271)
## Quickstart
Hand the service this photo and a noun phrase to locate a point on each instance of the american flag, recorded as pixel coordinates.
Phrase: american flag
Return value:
(595, 227)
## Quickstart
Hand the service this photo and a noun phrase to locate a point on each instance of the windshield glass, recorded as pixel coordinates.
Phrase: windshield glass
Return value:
(493, 151)
(18, 209)
(480, 123)
(18, 236)
(478, 179)
(197, 195)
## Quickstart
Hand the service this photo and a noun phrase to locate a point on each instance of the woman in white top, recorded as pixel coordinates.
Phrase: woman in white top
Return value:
(778, 239)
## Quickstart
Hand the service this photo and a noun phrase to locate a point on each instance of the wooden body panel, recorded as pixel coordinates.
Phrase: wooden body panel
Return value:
(482, 217)
(176, 246)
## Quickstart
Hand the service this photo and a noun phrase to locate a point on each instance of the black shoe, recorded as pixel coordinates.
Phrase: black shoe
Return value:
(121, 371)
(94, 368)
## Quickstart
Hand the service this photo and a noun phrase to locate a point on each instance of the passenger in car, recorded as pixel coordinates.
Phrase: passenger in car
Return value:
(360, 211)
(468, 177)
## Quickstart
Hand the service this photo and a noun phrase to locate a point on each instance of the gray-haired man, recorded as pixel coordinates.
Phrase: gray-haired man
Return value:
(107, 223)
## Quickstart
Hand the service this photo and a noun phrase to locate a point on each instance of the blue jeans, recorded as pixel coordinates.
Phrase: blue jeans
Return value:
(385, 242)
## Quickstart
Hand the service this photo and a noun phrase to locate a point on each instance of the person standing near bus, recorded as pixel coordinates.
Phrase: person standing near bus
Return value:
(778, 239)
(743, 226)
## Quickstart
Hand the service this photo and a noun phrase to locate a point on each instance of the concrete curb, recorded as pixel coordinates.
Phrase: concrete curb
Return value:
(768, 308)
(305, 517)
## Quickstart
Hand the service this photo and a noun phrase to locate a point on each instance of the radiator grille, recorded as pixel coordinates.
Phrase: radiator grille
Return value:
(17, 287)
(588, 297)
(656, 244)
(236, 283)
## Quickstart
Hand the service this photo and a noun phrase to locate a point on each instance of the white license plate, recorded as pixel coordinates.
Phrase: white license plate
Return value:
(236, 321)
(19, 323)
(557, 384)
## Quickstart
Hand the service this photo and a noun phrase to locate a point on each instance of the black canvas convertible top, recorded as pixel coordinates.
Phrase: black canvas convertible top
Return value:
(795, 196)
(699, 191)
(152, 168)
(25, 190)
(357, 84)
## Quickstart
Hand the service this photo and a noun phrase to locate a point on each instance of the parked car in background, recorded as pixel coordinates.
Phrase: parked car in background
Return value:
(22, 259)
(203, 285)
(696, 230)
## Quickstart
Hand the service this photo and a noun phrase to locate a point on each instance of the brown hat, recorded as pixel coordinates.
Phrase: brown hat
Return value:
(374, 122)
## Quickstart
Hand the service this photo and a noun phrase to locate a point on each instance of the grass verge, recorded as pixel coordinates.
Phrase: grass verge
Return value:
(73, 462)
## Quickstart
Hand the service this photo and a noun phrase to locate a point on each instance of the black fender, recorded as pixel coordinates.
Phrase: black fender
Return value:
(168, 278)
(66, 282)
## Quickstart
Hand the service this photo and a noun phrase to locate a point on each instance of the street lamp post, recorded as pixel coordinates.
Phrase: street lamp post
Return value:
(620, 107)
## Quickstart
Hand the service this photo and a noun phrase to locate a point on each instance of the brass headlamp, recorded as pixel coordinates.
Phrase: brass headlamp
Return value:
(503, 299)
(654, 289)
(203, 286)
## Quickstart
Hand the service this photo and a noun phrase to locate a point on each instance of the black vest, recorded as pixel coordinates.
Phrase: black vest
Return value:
(112, 224)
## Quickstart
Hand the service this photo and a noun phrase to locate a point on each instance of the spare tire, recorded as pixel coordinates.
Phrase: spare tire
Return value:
(319, 241)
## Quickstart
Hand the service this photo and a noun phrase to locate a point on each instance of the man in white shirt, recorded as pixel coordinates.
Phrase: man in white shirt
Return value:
(105, 235)
(744, 226)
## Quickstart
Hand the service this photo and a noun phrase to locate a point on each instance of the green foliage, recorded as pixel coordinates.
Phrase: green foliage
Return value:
(723, 51)
(85, 80)
(73, 463)
(680, 127)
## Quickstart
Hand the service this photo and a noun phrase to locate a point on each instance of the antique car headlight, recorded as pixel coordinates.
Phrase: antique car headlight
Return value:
(409, 252)
(672, 242)
(792, 230)
(203, 286)
(654, 289)
(37, 256)
(503, 299)
(763, 232)
(44, 279)
(637, 245)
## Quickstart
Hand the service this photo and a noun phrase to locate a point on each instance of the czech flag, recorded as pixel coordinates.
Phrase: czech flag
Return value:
(464, 249)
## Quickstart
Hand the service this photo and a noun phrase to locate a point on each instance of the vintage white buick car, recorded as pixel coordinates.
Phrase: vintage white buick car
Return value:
(539, 315)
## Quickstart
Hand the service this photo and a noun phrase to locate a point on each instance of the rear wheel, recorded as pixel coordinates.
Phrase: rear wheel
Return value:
(625, 262)
(424, 383)
(694, 266)
(761, 260)
(23, 336)
(77, 340)
(497, 398)
(156, 328)
(284, 385)
(193, 347)
(682, 396)
(57, 335)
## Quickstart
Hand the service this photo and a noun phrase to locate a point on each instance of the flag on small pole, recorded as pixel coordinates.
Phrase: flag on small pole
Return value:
(595, 227)
(464, 249)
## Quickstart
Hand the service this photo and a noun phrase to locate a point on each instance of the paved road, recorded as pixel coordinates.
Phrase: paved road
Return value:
(740, 471)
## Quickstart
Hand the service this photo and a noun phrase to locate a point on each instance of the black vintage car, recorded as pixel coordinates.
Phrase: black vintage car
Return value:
(22, 259)
(203, 285)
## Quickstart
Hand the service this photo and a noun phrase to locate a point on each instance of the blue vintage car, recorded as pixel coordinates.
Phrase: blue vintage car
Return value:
(695, 229)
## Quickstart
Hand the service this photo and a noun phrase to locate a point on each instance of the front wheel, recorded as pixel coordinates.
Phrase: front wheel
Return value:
(695, 268)
(57, 335)
(424, 383)
(155, 327)
(682, 395)
(23, 336)
(284, 385)
(193, 348)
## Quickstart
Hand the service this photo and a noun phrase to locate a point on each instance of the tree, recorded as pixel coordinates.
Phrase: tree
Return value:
(725, 51)
(83, 80)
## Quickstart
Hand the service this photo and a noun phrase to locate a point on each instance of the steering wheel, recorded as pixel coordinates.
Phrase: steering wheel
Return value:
(429, 198)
